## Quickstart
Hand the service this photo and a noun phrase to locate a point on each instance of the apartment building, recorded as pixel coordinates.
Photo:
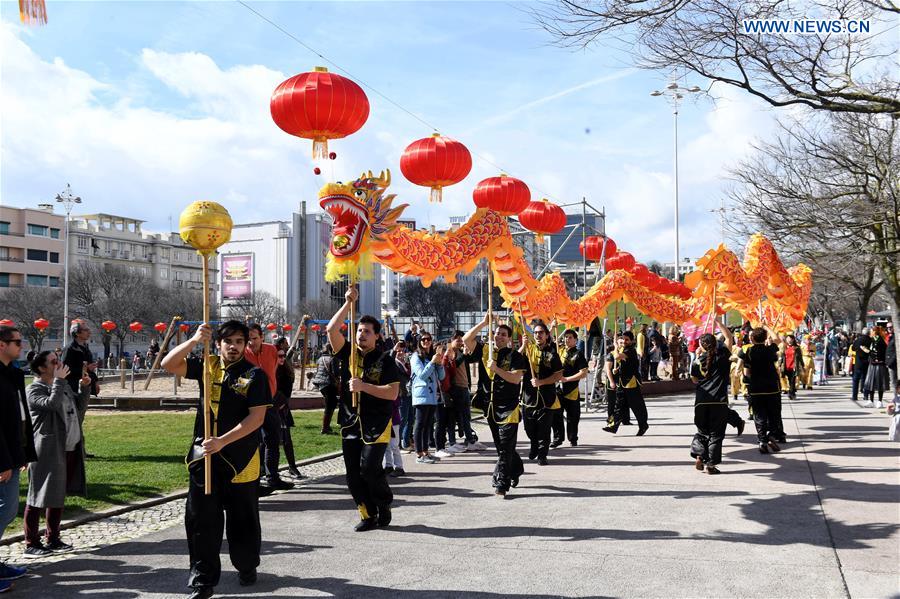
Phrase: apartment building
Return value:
(32, 243)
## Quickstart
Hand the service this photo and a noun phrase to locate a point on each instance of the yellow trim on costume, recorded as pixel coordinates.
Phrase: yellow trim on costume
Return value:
(363, 512)
(556, 405)
(573, 395)
(384, 437)
(251, 472)
(632, 384)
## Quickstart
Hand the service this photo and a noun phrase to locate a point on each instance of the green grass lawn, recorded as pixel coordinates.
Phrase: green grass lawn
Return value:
(141, 455)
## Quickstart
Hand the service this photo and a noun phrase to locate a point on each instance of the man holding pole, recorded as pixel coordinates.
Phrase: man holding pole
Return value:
(539, 390)
(369, 384)
(239, 396)
(500, 373)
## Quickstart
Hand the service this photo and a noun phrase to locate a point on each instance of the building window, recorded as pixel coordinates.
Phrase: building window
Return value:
(4, 253)
(54, 233)
(36, 280)
(4, 279)
(54, 257)
(37, 255)
(163, 273)
(39, 230)
(54, 281)
(106, 244)
(82, 242)
(4, 230)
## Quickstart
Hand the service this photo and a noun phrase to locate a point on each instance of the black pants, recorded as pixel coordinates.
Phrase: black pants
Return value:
(233, 507)
(630, 399)
(270, 444)
(537, 426)
(710, 421)
(509, 465)
(365, 475)
(767, 416)
(860, 370)
(734, 419)
(654, 370)
(330, 394)
(422, 427)
(566, 418)
(445, 430)
(791, 376)
(287, 442)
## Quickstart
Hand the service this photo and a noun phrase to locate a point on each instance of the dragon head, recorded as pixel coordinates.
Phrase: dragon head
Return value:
(360, 211)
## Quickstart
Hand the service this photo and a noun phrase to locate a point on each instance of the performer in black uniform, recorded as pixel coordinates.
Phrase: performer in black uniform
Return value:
(239, 398)
(575, 368)
(539, 390)
(625, 382)
(365, 427)
(499, 379)
(764, 387)
(711, 371)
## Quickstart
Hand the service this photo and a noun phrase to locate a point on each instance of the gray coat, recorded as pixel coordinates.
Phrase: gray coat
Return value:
(47, 479)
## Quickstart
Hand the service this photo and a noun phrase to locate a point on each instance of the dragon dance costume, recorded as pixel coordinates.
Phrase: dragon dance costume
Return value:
(502, 413)
(540, 403)
(626, 372)
(569, 396)
(366, 428)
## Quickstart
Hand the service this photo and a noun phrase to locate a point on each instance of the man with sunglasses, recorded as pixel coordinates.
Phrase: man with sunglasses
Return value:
(539, 390)
(16, 438)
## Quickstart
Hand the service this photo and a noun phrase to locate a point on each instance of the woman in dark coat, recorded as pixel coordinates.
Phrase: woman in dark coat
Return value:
(57, 414)
(877, 377)
(284, 383)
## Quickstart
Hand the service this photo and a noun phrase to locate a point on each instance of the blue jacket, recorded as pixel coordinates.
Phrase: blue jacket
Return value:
(426, 377)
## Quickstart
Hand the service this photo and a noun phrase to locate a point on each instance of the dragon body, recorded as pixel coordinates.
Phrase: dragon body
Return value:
(366, 230)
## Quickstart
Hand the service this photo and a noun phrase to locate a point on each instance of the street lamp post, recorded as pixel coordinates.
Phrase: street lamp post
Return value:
(68, 200)
(674, 93)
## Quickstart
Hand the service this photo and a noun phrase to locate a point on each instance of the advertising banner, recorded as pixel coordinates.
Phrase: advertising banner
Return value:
(237, 276)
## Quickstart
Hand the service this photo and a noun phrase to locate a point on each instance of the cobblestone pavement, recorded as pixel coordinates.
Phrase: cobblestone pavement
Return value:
(137, 523)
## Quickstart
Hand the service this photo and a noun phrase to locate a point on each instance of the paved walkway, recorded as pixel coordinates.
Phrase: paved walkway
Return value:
(620, 516)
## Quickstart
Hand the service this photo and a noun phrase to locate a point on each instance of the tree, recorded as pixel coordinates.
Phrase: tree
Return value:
(261, 307)
(829, 188)
(24, 305)
(440, 300)
(831, 72)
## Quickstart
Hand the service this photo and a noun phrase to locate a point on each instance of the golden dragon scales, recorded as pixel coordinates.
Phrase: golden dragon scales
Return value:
(365, 229)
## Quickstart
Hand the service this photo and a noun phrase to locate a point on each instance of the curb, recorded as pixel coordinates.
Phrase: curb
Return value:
(117, 511)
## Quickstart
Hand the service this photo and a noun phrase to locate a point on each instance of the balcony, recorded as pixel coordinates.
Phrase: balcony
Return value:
(11, 259)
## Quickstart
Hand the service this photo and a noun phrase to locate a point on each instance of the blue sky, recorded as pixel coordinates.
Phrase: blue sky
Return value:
(146, 107)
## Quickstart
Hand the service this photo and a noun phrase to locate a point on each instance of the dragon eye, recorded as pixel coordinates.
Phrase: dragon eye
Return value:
(359, 193)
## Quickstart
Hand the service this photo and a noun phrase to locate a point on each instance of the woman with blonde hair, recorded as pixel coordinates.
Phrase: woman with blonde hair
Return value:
(877, 378)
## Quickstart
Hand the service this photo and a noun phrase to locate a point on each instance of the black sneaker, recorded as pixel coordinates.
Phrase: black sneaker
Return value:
(740, 428)
(264, 490)
(281, 485)
(398, 472)
(201, 593)
(295, 473)
(384, 516)
(543, 461)
(247, 578)
(642, 430)
(367, 524)
(763, 448)
(36, 551)
(555, 444)
(388, 470)
(58, 546)
(532, 455)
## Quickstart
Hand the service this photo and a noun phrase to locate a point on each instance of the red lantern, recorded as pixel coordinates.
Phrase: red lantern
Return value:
(344, 326)
(108, 326)
(302, 328)
(41, 324)
(7, 323)
(625, 260)
(135, 327)
(435, 162)
(184, 328)
(320, 106)
(503, 194)
(641, 274)
(592, 247)
(160, 327)
(289, 327)
(544, 218)
(271, 326)
(316, 328)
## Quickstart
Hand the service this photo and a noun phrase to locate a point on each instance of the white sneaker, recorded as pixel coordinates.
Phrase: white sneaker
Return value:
(451, 449)
(880, 404)
(459, 448)
(476, 446)
(869, 404)
(443, 454)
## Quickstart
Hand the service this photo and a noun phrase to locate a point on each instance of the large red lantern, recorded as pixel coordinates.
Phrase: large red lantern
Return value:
(316, 328)
(271, 326)
(624, 260)
(41, 324)
(108, 326)
(503, 194)
(184, 328)
(288, 327)
(544, 218)
(7, 323)
(592, 247)
(435, 162)
(135, 327)
(160, 327)
(641, 274)
(319, 106)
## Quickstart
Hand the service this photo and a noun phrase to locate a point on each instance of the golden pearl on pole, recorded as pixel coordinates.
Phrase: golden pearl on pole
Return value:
(205, 226)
